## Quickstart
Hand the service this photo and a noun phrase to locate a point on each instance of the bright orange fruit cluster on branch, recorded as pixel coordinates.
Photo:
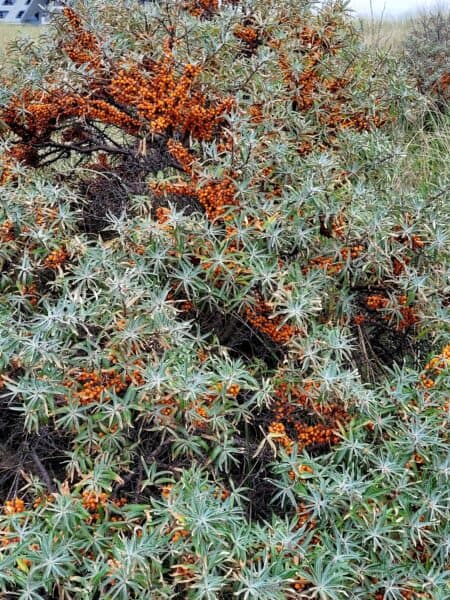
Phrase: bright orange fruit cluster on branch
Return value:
(14, 506)
(205, 8)
(95, 386)
(141, 98)
(166, 101)
(260, 317)
(7, 233)
(214, 195)
(379, 302)
(201, 8)
(56, 258)
(313, 424)
(312, 88)
(84, 48)
(435, 367)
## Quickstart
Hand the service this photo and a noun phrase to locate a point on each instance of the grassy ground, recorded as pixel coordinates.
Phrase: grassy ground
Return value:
(385, 34)
(9, 33)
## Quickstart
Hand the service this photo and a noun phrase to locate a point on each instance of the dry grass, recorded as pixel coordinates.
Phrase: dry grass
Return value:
(382, 34)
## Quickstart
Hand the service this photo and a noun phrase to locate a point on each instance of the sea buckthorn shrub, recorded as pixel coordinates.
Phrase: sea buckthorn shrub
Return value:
(427, 52)
(224, 356)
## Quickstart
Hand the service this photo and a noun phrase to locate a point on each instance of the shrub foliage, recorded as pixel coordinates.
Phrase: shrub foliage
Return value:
(427, 50)
(223, 356)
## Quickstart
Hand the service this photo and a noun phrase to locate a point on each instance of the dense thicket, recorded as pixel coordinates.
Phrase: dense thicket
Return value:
(427, 53)
(224, 316)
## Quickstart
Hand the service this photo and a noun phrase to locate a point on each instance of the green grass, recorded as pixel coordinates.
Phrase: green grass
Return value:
(9, 33)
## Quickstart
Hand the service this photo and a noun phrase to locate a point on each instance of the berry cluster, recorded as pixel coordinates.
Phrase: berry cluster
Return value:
(312, 87)
(377, 302)
(169, 404)
(330, 264)
(179, 535)
(412, 243)
(183, 157)
(205, 9)
(299, 471)
(300, 584)
(11, 507)
(166, 101)
(442, 86)
(45, 216)
(380, 302)
(201, 8)
(250, 36)
(44, 110)
(7, 166)
(359, 319)
(359, 121)
(398, 266)
(56, 258)
(278, 432)
(325, 432)
(95, 502)
(163, 216)
(327, 263)
(43, 500)
(7, 232)
(260, 317)
(415, 241)
(352, 252)
(304, 517)
(435, 367)
(166, 491)
(221, 493)
(214, 196)
(233, 390)
(92, 501)
(247, 34)
(184, 571)
(294, 409)
(105, 112)
(95, 386)
(31, 292)
(201, 423)
(14, 506)
(257, 113)
(8, 537)
(140, 98)
(305, 147)
(84, 48)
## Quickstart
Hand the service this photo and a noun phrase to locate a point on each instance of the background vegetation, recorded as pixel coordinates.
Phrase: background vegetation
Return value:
(10, 33)
(224, 349)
